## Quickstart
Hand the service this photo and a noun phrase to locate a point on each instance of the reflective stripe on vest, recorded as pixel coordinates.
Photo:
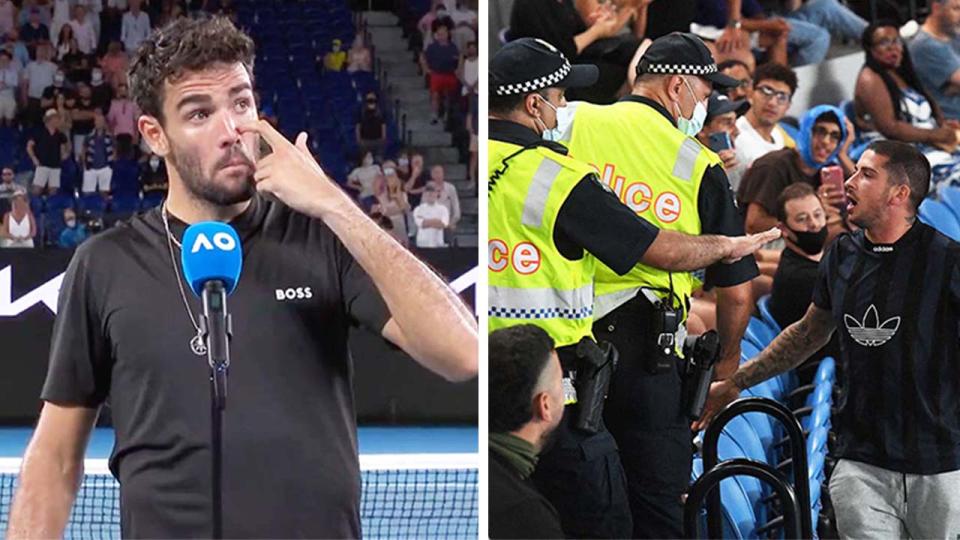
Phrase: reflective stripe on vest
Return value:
(513, 303)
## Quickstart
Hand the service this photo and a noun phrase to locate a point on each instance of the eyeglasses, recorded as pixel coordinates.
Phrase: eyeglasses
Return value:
(824, 133)
(886, 42)
(782, 97)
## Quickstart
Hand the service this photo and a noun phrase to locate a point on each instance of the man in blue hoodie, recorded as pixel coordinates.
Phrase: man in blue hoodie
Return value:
(825, 139)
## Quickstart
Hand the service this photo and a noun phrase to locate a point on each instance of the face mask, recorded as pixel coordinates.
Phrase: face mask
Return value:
(389, 172)
(71, 223)
(810, 243)
(690, 127)
(547, 132)
(154, 162)
(403, 162)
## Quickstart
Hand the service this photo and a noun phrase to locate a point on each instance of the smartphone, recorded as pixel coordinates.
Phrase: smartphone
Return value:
(719, 141)
(832, 175)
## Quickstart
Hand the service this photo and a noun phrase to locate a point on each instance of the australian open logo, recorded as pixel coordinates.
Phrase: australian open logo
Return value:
(870, 332)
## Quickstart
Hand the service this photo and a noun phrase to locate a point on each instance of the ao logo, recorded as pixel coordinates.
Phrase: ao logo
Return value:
(222, 240)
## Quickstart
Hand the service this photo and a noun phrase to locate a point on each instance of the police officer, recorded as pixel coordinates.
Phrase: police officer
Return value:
(550, 221)
(646, 150)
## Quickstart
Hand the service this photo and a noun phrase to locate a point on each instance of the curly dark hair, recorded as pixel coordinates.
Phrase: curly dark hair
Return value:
(184, 45)
(518, 355)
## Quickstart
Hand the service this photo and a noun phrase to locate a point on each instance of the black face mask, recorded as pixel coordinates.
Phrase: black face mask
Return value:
(810, 242)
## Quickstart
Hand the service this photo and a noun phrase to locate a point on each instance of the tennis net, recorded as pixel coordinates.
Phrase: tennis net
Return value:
(403, 496)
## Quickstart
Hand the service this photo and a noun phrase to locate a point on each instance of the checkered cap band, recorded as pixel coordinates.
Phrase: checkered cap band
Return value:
(680, 69)
(540, 313)
(536, 84)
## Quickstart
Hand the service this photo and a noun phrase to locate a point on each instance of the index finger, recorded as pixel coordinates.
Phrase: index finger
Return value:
(273, 137)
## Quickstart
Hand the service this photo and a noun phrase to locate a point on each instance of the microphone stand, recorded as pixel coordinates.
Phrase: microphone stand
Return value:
(217, 329)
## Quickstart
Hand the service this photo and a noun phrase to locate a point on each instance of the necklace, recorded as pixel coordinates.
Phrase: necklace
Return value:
(197, 344)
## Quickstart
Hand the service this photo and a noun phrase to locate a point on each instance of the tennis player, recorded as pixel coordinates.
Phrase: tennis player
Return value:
(125, 332)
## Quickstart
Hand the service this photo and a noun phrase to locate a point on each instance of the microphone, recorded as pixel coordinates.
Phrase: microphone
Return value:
(212, 257)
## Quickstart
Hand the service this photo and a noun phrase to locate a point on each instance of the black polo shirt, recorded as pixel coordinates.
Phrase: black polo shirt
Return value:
(47, 147)
(290, 465)
(897, 313)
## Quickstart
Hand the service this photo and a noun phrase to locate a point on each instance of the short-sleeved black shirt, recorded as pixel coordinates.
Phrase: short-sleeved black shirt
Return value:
(47, 147)
(290, 465)
(897, 313)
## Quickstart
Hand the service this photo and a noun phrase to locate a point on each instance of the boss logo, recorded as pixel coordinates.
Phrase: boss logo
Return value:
(294, 293)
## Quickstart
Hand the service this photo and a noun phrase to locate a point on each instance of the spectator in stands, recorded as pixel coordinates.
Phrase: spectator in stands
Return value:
(135, 26)
(83, 30)
(75, 64)
(936, 51)
(392, 202)
(773, 88)
(8, 188)
(123, 114)
(42, 9)
(741, 72)
(722, 114)
(526, 401)
(19, 226)
(37, 77)
(465, 28)
(363, 177)
(154, 174)
(890, 101)
(64, 37)
(583, 40)
(358, 57)
(61, 16)
(74, 232)
(439, 61)
(8, 16)
(17, 49)
(114, 64)
(336, 57)
(472, 126)
(9, 82)
(825, 139)
(438, 12)
(101, 93)
(371, 128)
(34, 32)
(83, 118)
(416, 179)
(773, 34)
(467, 71)
(446, 195)
(47, 148)
(431, 218)
(96, 157)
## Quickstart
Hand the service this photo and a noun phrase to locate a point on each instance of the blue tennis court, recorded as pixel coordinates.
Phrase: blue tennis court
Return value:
(418, 482)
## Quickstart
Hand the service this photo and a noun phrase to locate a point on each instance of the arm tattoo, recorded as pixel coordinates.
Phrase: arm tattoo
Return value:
(789, 349)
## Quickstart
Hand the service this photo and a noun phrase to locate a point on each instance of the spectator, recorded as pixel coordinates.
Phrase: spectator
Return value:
(61, 16)
(75, 64)
(8, 16)
(8, 188)
(722, 114)
(431, 218)
(115, 63)
(17, 49)
(74, 233)
(417, 180)
(437, 13)
(936, 50)
(472, 127)
(83, 30)
(102, 93)
(83, 119)
(336, 57)
(154, 174)
(358, 57)
(135, 27)
(47, 148)
(830, 15)
(464, 30)
(123, 114)
(467, 71)
(34, 32)
(583, 40)
(54, 95)
(825, 138)
(19, 226)
(363, 177)
(446, 195)
(64, 37)
(392, 203)
(42, 9)
(9, 82)
(773, 87)
(96, 156)
(741, 72)
(403, 166)
(439, 61)
(773, 34)
(371, 128)
(526, 400)
(890, 101)
(38, 76)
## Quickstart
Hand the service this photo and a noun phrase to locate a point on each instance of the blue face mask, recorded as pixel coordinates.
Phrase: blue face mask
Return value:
(690, 127)
(546, 130)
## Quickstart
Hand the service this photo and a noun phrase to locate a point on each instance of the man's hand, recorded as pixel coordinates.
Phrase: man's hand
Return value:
(831, 195)
(722, 393)
(851, 135)
(729, 157)
(292, 175)
(732, 40)
(741, 246)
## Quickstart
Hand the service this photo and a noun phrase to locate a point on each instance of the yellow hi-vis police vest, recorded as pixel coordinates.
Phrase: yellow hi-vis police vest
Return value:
(530, 281)
(655, 170)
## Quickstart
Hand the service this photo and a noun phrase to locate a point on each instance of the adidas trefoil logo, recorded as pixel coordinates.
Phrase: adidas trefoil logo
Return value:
(870, 333)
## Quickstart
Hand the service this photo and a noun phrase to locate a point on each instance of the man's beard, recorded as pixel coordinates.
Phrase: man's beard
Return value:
(203, 187)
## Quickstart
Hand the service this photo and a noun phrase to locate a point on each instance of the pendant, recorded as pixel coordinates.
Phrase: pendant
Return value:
(197, 345)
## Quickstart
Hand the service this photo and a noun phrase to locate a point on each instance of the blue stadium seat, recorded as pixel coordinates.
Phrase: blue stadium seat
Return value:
(152, 199)
(763, 305)
(125, 203)
(126, 177)
(937, 215)
(91, 202)
(950, 196)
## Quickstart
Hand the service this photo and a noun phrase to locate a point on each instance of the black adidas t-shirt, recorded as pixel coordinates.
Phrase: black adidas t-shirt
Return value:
(290, 465)
(897, 311)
